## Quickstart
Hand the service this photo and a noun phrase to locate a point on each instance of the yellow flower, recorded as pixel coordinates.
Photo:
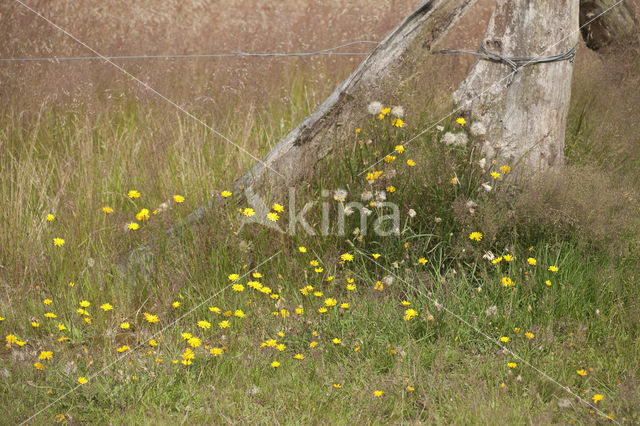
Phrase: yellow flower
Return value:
(61, 327)
(123, 348)
(475, 236)
(278, 208)
(512, 365)
(410, 388)
(399, 149)
(248, 212)
(273, 217)
(106, 307)
(142, 215)
(375, 256)
(275, 364)
(238, 287)
(389, 158)
(204, 324)
(45, 355)
(35, 324)
(504, 339)
(82, 380)
(358, 130)
(330, 302)
(582, 372)
(85, 303)
(125, 326)
(234, 277)
(175, 305)
(38, 366)
(226, 194)
(313, 344)
(508, 258)
(409, 314)
(529, 335)
(548, 283)
(391, 188)
(178, 198)
(336, 341)
(597, 397)
(553, 268)
(194, 342)
(50, 217)
(215, 309)
(302, 249)
(337, 385)
(461, 121)
(531, 261)
(495, 175)
(239, 313)
(378, 393)
(59, 242)
(50, 315)
(378, 286)
(385, 111)
(151, 318)
(411, 163)
(133, 194)
(107, 209)
(347, 257)
(133, 226)
(351, 287)
(422, 261)
(224, 324)
(153, 342)
(397, 123)
(216, 351)
(507, 282)
(505, 169)
(454, 180)
(344, 306)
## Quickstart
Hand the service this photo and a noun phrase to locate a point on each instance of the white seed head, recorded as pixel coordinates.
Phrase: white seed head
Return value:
(397, 111)
(374, 108)
(477, 129)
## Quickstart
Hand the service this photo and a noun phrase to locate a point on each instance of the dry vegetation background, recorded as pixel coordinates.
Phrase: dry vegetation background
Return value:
(75, 136)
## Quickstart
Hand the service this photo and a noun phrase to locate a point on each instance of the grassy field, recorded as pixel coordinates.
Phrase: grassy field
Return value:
(514, 305)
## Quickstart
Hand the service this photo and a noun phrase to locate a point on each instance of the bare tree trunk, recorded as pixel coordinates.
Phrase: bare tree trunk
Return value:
(524, 121)
(616, 28)
(375, 79)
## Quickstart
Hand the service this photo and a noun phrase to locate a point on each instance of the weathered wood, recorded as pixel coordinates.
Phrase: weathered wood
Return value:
(296, 155)
(386, 68)
(616, 28)
(525, 121)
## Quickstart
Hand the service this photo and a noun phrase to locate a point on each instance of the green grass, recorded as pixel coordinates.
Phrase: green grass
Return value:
(72, 163)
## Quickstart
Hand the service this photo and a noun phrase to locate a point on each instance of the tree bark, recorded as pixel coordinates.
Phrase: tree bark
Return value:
(391, 63)
(616, 28)
(384, 69)
(524, 121)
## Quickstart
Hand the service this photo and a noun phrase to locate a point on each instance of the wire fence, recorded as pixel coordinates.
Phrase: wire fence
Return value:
(332, 51)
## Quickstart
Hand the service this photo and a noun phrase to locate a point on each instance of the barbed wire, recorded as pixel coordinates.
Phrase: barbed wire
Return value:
(516, 62)
(328, 52)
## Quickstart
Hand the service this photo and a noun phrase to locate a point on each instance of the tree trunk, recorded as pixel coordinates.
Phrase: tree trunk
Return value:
(375, 79)
(614, 29)
(391, 64)
(525, 118)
